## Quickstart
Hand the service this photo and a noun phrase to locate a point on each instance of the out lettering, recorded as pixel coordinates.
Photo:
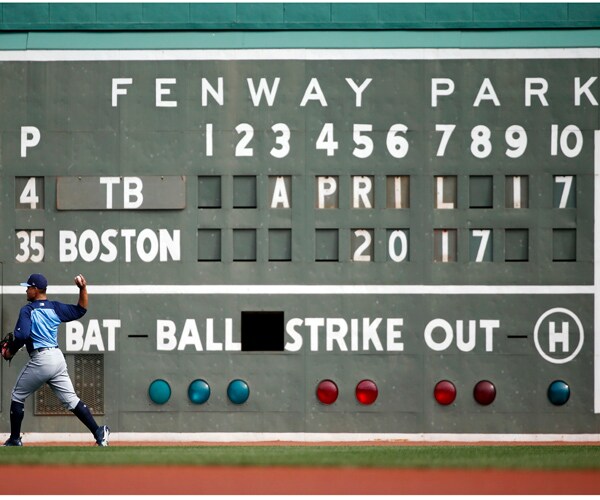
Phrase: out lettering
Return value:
(440, 334)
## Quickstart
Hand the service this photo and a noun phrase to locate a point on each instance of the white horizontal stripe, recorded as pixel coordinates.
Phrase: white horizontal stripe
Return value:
(148, 289)
(297, 54)
(306, 437)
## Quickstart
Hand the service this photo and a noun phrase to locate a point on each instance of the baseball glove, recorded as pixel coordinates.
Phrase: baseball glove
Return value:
(7, 346)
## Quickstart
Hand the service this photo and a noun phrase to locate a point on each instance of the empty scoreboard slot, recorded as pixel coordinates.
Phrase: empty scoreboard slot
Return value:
(564, 245)
(209, 245)
(262, 331)
(326, 245)
(516, 245)
(244, 191)
(244, 245)
(481, 191)
(209, 191)
(280, 245)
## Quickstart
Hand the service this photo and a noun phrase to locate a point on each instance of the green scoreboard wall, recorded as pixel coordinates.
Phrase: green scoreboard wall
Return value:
(365, 240)
(287, 218)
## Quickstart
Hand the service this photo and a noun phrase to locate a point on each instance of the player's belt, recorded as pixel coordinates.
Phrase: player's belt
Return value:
(40, 349)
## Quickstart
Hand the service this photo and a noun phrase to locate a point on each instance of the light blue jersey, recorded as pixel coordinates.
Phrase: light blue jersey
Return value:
(38, 322)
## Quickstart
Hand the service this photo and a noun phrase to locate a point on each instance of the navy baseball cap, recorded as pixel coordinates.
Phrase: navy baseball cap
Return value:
(38, 281)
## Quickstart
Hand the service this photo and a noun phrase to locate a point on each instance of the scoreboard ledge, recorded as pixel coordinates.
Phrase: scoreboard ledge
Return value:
(183, 438)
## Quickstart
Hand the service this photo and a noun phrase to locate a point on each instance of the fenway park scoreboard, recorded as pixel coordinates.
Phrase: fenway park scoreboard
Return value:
(364, 241)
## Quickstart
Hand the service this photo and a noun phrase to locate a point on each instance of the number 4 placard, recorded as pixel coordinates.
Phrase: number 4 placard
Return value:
(29, 193)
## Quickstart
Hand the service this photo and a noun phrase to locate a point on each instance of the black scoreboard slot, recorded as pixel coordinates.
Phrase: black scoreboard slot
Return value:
(262, 330)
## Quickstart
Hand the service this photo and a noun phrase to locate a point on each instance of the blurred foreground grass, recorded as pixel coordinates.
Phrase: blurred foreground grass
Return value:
(546, 457)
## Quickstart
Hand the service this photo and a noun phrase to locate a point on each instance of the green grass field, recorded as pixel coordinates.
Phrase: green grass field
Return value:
(498, 457)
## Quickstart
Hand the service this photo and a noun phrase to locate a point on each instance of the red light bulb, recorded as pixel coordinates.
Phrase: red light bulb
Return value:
(366, 392)
(327, 392)
(444, 392)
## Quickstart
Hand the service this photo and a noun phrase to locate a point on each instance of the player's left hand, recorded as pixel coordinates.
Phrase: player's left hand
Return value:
(7, 347)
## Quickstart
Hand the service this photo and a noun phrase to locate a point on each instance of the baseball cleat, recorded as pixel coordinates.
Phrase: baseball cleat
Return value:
(13, 442)
(102, 435)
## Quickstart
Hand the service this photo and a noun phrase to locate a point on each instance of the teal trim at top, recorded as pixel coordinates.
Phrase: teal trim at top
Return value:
(195, 16)
(304, 39)
(103, 26)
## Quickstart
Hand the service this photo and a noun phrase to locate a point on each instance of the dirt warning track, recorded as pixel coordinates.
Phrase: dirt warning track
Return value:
(191, 480)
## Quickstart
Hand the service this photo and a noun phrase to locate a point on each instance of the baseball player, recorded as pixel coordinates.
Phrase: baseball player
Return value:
(37, 330)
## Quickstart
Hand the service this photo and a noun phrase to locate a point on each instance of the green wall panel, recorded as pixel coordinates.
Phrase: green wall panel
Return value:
(213, 14)
(25, 14)
(446, 12)
(401, 292)
(300, 14)
(259, 14)
(496, 12)
(368, 287)
(120, 13)
(583, 12)
(166, 13)
(355, 14)
(285, 16)
(545, 12)
(299, 39)
(72, 13)
(414, 13)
